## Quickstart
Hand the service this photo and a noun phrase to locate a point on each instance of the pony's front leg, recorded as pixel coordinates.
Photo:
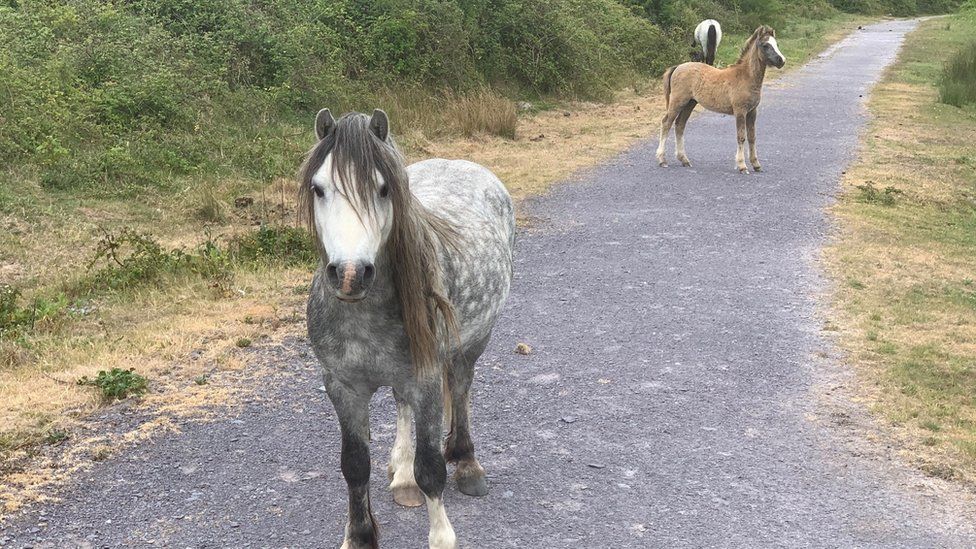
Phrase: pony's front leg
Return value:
(740, 133)
(751, 129)
(352, 409)
(402, 481)
(679, 132)
(430, 468)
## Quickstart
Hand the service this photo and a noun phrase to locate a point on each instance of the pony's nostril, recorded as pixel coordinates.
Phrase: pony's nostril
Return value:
(368, 273)
(332, 272)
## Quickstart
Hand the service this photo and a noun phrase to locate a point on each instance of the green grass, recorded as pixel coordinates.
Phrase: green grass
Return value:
(909, 238)
(958, 84)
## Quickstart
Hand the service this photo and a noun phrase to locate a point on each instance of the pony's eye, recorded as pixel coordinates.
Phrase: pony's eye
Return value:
(318, 191)
(384, 190)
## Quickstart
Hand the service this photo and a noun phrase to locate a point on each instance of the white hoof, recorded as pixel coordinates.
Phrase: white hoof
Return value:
(445, 539)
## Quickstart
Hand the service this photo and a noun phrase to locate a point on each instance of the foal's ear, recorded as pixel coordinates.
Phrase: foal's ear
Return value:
(324, 124)
(379, 124)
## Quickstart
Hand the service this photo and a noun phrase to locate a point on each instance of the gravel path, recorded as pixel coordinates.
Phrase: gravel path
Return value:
(672, 398)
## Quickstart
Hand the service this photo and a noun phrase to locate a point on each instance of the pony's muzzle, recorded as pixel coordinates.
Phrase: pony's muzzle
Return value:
(350, 279)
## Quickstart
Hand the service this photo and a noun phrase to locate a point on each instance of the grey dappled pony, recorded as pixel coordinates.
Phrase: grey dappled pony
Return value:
(416, 265)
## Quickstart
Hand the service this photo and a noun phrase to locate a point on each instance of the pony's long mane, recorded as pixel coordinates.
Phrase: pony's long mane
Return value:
(760, 33)
(412, 249)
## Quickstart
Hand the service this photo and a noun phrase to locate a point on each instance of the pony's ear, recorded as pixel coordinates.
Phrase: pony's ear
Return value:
(324, 124)
(379, 124)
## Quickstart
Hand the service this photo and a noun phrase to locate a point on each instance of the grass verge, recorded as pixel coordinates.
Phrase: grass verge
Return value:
(904, 263)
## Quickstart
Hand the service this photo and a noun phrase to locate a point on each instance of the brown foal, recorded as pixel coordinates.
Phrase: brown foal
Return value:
(734, 90)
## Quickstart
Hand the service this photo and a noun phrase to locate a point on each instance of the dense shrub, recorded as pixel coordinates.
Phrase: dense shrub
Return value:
(116, 97)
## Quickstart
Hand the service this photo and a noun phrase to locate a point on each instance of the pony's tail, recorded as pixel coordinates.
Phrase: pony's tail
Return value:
(710, 44)
(667, 86)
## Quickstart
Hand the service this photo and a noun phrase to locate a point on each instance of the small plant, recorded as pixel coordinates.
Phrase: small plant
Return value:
(287, 245)
(117, 384)
(202, 379)
(55, 436)
(872, 195)
(16, 319)
(209, 207)
(132, 258)
(243, 342)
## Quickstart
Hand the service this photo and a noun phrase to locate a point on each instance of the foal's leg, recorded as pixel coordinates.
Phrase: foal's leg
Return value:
(740, 131)
(751, 129)
(402, 481)
(679, 131)
(666, 122)
(352, 408)
(459, 448)
(430, 469)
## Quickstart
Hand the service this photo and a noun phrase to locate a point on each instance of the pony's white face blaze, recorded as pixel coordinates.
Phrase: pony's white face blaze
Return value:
(351, 232)
(772, 53)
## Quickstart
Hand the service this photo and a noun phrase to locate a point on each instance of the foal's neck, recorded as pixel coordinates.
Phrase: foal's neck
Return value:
(757, 69)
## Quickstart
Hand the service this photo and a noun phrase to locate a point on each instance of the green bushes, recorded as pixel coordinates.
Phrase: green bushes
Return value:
(957, 85)
(113, 98)
(117, 97)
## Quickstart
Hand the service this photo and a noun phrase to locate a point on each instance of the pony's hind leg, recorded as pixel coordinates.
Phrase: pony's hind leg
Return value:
(402, 481)
(666, 122)
(429, 466)
(679, 132)
(751, 131)
(459, 448)
(352, 409)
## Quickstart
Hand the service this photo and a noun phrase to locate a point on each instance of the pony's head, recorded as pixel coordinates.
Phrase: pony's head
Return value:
(353, 182)
(767, 48)
(355, 196)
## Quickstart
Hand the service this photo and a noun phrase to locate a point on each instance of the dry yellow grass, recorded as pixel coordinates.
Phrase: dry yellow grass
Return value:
(904, 263)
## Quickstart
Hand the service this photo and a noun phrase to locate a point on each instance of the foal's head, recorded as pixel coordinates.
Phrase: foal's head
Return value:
(767, 49)
(352, 184)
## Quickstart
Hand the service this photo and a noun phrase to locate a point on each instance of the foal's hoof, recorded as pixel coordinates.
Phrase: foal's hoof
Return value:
(408, 496)
(757, 168)
(662, 164)
(744, 170)
(686, 163)
(473, 485)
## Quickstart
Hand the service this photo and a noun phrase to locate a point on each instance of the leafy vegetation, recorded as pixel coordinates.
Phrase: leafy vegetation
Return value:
(113, 97)
(117, 383)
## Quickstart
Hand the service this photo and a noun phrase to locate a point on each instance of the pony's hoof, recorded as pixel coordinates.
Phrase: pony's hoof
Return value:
(757, 168)
(408, 496)
(686, 163)
(352, 544)
(662, 164)
(744, 171)
(473, 486)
